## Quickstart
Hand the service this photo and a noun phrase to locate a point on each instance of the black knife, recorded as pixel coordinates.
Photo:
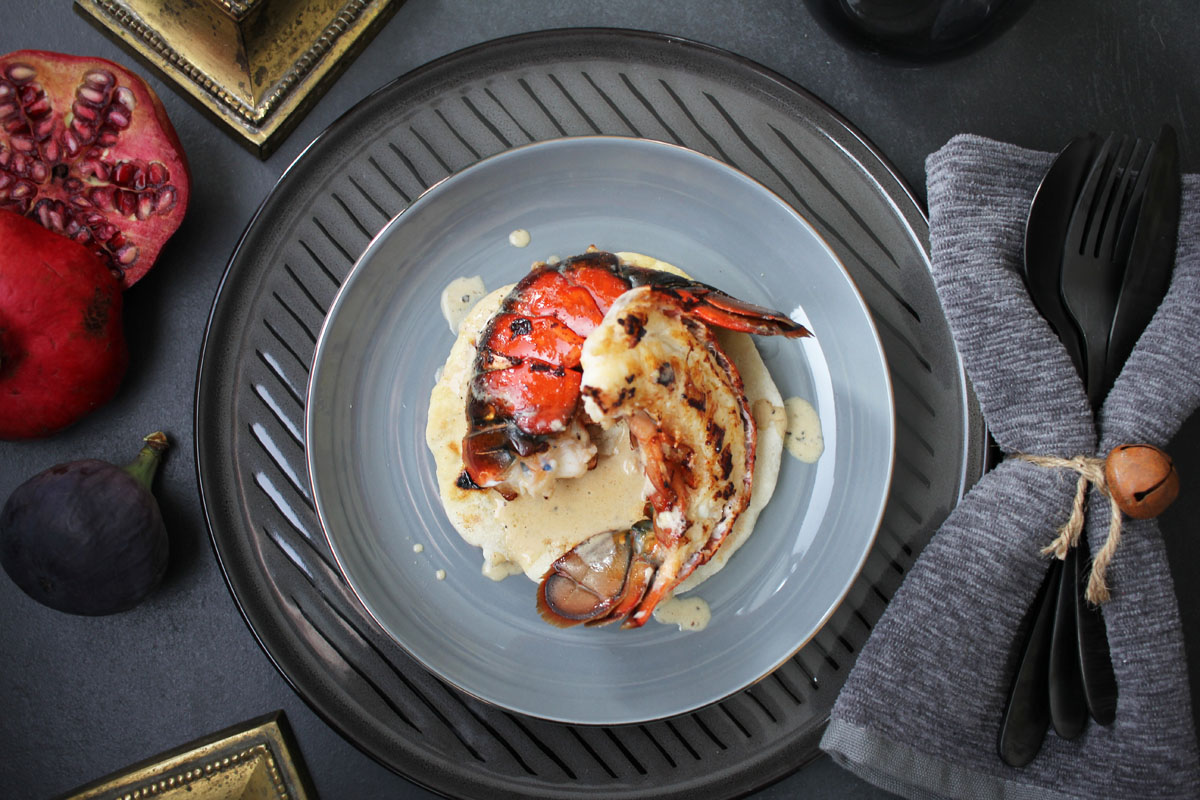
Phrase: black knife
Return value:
(1068, 703)
(1095, 663)
(1150, 239)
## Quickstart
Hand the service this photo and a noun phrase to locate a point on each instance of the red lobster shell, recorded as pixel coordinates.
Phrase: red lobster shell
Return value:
(525, 387)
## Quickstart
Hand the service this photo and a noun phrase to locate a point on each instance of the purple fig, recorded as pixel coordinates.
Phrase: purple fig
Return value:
(87, 537)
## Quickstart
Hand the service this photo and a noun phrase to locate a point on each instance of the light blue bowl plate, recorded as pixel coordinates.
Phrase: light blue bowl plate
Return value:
(373, 477)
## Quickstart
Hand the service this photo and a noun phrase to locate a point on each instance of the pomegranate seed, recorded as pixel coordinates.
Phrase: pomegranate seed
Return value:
(124, 97)
(83, 236)
(118, 117)
(159, 174)
(72, 185)
(85, 113)
(22, 144)
(44, 127)
(20, 163)
(6, 91)
(127, 255)
(84, 131)
(117, 239)
(21, 190)
(139, 179)
(39, 108)
(39, 172)
(28, 95)
(7, 110)
(91, 95)
(70, 144)
(93, 167)
(50, 218)
(102, 197)
(107, 137)
(5, 155)
(122, 173)
(126, 203)
(20, 73)
(108, 233)
(80, 201)
(166, 199)
(145, 206)
(100, 78)
(5, 179)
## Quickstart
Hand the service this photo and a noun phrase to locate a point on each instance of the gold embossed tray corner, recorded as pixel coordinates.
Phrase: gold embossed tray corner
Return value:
(256, 66)
(251, 761)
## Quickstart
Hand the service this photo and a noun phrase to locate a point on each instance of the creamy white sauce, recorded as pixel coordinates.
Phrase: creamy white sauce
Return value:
(519, 238)
(458, 298)
(418, 548)
(689, 613)
(610, 498)
(440, 574)
(497, 567)
(803, 439)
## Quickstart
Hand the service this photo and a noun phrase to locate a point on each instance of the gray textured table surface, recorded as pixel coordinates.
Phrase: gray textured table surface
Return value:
(81, 697)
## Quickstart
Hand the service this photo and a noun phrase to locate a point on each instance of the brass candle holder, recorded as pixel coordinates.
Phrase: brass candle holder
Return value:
(256, 66)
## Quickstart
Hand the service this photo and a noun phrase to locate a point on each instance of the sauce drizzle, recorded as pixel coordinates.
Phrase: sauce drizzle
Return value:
(803, 439)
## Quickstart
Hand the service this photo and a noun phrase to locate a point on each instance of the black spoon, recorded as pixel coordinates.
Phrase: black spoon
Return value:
(1046, 233)
(1027, 714)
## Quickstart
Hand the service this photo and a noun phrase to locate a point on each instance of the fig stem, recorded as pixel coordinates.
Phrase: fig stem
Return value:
(145, 464)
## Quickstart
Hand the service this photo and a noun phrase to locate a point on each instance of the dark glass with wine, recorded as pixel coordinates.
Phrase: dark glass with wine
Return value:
(917, 30)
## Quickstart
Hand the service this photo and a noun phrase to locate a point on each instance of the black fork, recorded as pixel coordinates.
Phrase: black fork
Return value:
(1092, 268)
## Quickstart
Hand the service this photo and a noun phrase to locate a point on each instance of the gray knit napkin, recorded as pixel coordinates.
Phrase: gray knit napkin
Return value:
(920, 712)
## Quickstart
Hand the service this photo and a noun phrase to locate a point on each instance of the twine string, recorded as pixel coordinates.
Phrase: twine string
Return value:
(1091, 473)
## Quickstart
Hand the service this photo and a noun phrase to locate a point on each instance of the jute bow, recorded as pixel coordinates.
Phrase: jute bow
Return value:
(1091, 472)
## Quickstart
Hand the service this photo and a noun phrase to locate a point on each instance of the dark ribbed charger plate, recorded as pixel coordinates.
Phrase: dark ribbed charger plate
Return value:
(302, 243)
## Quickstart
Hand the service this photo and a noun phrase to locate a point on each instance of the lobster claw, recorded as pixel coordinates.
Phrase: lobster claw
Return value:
(600, 581)
(723, 311)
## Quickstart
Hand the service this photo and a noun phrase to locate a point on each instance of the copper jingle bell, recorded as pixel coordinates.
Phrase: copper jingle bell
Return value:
(1141, 479)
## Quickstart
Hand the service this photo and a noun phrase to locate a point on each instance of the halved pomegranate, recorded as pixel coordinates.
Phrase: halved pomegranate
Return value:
(86, 149)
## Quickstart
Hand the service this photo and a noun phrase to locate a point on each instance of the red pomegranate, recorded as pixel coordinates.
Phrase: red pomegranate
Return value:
(62, 345)
(86, 149)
